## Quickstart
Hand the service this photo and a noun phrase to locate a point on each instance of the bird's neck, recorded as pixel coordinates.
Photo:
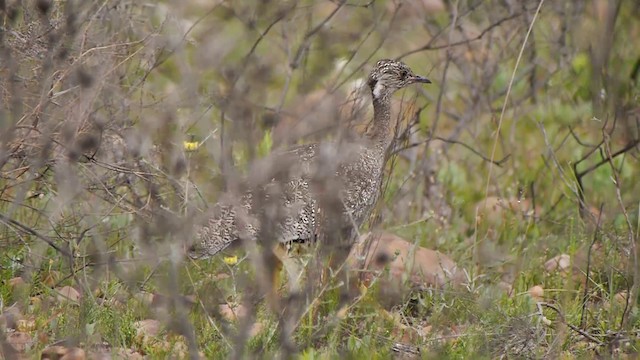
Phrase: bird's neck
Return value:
(381, 133)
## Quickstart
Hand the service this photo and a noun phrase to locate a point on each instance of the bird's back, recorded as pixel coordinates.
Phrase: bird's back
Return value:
(298, 180)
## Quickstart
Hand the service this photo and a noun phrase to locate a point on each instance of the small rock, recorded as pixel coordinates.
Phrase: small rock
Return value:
(10, 317)
(74, 354)
(58, 352)
(20, 341)
(16, 282)
(145, 297)
(558, 263)
(536, 292)
(221, 276)
(54, 352)
(424, 267)
(189, 300)
(116, 353)
(128, 354)
(175, 345)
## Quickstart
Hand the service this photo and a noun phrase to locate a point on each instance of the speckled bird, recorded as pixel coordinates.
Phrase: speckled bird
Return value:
(356, 168)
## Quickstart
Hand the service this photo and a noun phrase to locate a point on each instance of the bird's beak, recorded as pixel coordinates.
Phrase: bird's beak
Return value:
(420, 79)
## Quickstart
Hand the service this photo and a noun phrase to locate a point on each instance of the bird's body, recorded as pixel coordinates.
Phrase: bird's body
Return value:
(300, 180)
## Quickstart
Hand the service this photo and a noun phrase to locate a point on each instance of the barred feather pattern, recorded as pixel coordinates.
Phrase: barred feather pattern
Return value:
(298, 204)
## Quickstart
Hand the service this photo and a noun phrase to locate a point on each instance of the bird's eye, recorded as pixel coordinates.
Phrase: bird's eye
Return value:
(404, 74)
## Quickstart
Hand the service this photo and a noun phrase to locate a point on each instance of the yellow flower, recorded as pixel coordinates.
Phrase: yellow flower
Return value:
(25, 325)
(230, 260)
(191, 145)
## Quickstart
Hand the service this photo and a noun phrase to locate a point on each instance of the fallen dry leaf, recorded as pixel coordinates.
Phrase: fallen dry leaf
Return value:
(221, 276)
(43, 337)
(560, 263)
(621, 298)
(147, 332)
(493, 210)
(256, 328)
(342, 312)
(147, 328)
(506, 287)
(50, 278)
(426, 330)
(232, 313)
(595, 256)
(26, 325)
(67, 293)
(401, 332)
(404, 334)
(35, 301)
(595, 212)
(174, 345)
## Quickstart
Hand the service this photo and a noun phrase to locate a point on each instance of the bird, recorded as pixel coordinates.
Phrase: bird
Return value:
(298, 190)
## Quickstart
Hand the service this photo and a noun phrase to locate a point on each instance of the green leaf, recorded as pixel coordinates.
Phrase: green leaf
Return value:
(264, 147)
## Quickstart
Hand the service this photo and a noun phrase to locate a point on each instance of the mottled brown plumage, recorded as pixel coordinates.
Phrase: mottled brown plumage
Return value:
(354, 169)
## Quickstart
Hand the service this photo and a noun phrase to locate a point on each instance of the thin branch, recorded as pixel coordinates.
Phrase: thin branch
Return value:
(571, 326)
(506, 98)
(430, 47)
(451, 141)
(633, 293)
(579, 141)
(10, 222)
(307, 37)
(586, 283)
(630, 146)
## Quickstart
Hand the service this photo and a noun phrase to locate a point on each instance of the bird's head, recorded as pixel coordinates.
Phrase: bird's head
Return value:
(391, 75)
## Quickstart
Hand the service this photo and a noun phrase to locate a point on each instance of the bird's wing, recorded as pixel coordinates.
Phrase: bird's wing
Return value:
(288, 200)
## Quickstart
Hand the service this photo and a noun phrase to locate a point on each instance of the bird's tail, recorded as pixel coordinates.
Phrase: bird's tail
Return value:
(226, 225)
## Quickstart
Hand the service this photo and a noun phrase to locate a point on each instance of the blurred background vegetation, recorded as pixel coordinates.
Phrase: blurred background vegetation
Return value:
(123, 121)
